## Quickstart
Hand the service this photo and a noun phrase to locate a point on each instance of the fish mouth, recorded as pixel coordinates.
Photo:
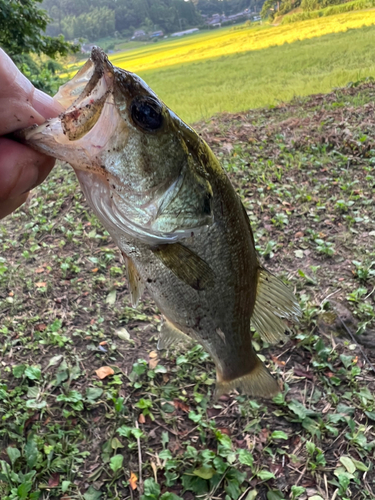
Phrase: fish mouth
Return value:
(89, 121)
(86, 78)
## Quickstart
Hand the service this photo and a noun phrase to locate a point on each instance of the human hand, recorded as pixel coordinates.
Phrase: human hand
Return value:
(21, 105)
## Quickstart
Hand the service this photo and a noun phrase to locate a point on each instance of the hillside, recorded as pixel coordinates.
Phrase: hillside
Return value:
(309, 9)
(120, 18)
(332, 10)
(149, 428)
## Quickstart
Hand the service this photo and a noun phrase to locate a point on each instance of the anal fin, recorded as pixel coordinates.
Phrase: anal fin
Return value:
(186, 265)
(274, 308)
(136, 285)
(170, 334)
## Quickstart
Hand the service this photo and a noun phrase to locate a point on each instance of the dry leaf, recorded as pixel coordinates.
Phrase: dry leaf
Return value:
(54, 480)
(111, 297)
(154, 470)
(123, 334)
(180, 405)
(277, 361)
(104, 372)
(40, 284)
(141, 419)
(224, 430)
(39, 270)
(153, 361)
(133, 481)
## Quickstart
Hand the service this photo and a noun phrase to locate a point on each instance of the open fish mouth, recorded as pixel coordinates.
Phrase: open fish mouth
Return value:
(80, 133)
(137, 173)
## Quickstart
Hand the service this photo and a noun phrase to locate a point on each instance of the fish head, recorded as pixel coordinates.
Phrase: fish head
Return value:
(142, 169)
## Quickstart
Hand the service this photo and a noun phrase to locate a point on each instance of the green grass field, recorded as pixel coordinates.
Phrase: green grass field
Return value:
(265, 77)
(307, 180)
(234, 70)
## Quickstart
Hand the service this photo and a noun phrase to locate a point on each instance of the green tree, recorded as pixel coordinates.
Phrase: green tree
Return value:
(22, 32)
(269, 8)
(166, 15)
(23, 25)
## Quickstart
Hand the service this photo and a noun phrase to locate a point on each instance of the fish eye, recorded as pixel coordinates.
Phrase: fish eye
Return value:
(147, 113)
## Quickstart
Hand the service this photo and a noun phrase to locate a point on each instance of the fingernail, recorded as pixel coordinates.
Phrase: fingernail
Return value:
(46, 105)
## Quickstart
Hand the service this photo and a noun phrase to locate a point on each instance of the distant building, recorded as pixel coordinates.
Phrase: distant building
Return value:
(156, 34)
(234, 17)
(186, 32)
(139, 34)
(217, 19)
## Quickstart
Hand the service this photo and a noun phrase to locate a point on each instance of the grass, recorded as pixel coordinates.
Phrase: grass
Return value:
(265, 77)
(89, 410)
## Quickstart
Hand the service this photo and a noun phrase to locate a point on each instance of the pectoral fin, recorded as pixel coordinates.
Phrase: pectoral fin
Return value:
(135, 284)
(170, 334)
(186, 265)
(275, 306)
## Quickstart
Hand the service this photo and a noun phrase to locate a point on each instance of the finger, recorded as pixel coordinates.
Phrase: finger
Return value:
(8, 206)
(16, 113)
(21, 168)
(45, 104)
(21, 105)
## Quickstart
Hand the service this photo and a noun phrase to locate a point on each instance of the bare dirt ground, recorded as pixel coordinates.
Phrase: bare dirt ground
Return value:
(146, 426)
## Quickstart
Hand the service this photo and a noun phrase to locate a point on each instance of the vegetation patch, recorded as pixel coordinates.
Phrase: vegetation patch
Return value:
(90, 410)
(329, 11)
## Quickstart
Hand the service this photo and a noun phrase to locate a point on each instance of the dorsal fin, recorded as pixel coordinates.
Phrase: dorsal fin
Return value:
(275, 306)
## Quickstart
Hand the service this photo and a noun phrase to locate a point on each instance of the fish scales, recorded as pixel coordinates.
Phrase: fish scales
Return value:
(163, 196)
(228, 303)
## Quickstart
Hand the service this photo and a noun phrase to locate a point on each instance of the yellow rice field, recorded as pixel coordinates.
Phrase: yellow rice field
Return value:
(229, 42)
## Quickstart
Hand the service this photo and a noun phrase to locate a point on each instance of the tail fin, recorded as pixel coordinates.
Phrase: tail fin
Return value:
(258, 382)
(275, 305)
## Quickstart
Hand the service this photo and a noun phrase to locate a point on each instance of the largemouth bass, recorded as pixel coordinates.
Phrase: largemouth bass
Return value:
(163, 196)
